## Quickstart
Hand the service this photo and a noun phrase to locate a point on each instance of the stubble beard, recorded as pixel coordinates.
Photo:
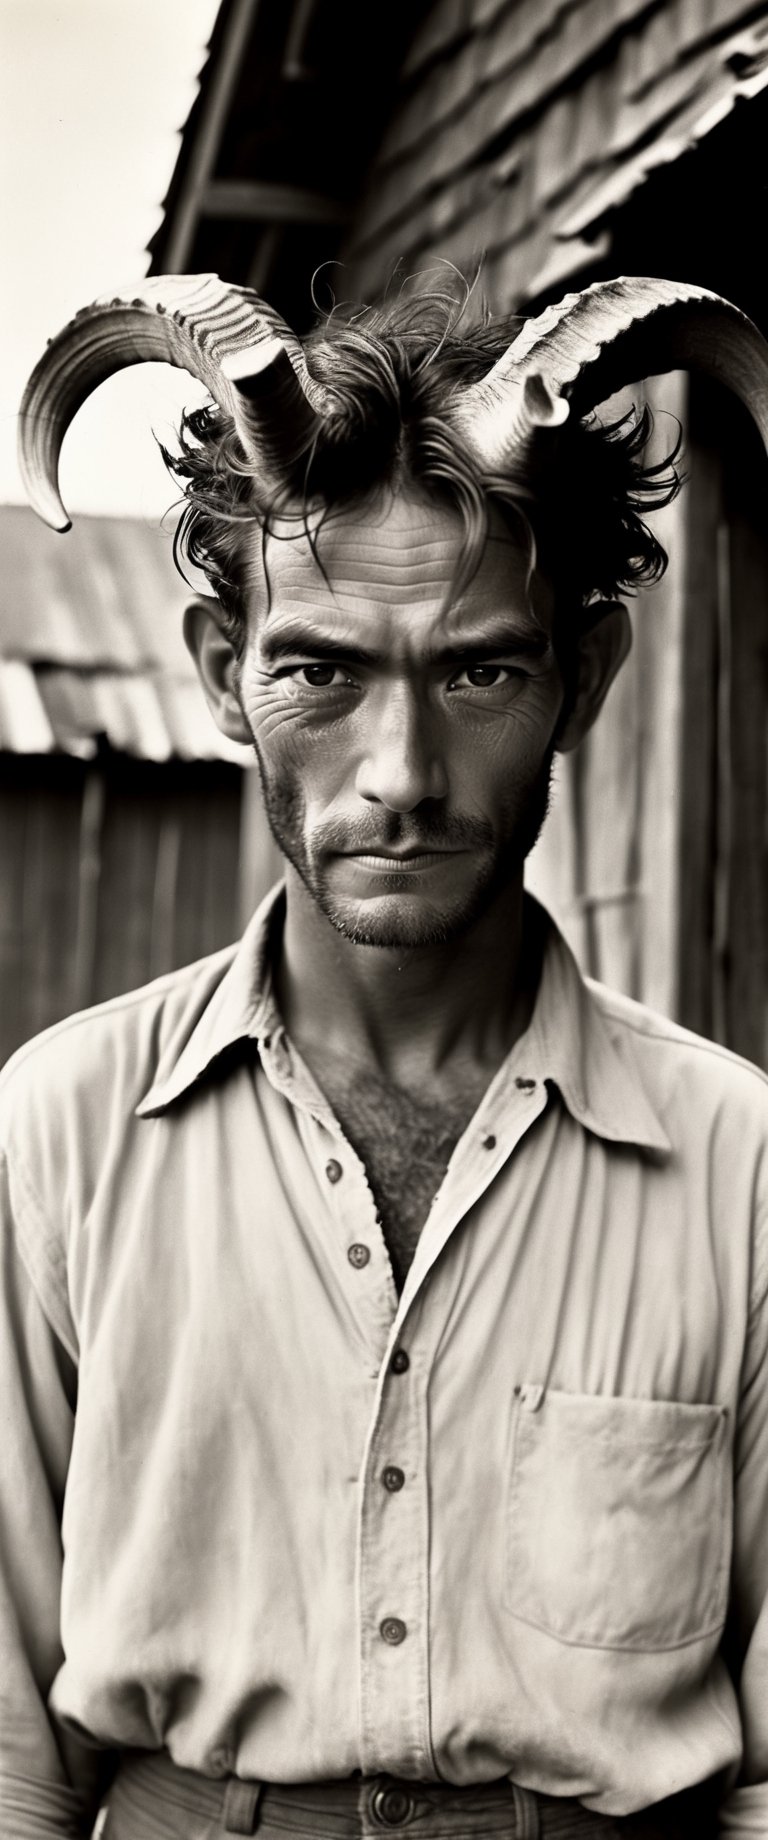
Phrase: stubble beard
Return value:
(501, 859)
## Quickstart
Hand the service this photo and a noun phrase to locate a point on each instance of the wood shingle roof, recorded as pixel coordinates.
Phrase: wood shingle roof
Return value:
(521, 126)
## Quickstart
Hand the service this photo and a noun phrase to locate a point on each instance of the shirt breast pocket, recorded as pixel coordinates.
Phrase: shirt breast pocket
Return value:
(618, 1526)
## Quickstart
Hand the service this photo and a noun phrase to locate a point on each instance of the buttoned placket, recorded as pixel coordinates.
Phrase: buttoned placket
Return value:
(394, 1526)
(362, 1262)
(393, 1552)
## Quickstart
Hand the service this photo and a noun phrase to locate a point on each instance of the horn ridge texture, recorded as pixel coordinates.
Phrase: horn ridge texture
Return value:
(594, 342)
(195, 322)
(574, 354)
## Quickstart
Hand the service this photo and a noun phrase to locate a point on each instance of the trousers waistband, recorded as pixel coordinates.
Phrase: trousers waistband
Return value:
(154, 1799)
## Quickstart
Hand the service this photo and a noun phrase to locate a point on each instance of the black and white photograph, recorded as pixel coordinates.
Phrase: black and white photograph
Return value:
(384, 920)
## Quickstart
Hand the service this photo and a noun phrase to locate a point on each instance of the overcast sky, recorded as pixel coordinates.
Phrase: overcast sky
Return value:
(93, 94)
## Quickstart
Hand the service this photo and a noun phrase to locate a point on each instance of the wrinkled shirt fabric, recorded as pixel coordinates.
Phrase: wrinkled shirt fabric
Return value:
(259, 1510)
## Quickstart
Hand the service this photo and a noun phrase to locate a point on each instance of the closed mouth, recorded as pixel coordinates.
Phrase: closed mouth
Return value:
(397, 859)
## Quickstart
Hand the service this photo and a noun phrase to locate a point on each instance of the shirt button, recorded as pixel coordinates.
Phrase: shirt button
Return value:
(358, 1255)
(221, 1761)
(400, 1362)
(393, 1631)
(489, 1142)
(334, 1170)
(392, 1478)
(525, 1085)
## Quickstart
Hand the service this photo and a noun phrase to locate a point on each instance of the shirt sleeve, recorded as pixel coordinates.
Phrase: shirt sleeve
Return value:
(744, 1815)
(48, 1781)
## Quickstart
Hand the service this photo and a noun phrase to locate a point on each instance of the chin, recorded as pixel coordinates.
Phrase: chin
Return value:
(391, 931)
(395, 923)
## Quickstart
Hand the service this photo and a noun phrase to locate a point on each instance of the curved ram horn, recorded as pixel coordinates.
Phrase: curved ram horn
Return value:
(238, 346)
(593, 343)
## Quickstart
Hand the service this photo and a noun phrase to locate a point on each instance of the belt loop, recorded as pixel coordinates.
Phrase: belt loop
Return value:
(241, 1806)
(527, 1826)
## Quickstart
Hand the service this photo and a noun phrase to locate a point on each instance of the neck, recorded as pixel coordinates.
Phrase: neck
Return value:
(411, 1013)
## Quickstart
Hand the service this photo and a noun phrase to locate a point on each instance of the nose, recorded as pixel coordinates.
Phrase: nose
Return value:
(402, 764)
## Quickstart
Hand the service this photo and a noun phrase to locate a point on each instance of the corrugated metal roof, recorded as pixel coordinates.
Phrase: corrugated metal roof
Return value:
(531, 121)
(48, 709)
(24, 724)
(106, 593)
(91, 645)
(153, 716)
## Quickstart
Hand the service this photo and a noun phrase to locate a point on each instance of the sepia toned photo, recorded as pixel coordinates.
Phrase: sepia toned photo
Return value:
(384, 920)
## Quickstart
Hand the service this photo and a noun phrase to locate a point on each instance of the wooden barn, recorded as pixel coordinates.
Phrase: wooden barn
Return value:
(560, 141)
(121, 805)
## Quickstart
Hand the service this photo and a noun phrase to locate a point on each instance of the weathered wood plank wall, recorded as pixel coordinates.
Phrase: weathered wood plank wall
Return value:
(608, 862)
(723, 984)
(112, 873)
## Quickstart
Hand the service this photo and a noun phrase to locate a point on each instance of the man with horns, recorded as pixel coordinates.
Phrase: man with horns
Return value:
(385, 1369)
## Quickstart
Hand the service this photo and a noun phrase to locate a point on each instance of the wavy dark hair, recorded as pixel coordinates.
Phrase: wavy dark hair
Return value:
(393, 370)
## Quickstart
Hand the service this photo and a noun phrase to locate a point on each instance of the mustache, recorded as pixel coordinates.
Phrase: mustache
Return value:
(401, 831)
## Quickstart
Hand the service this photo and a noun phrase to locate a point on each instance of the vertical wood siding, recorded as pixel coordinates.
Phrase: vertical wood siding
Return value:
(724, 732)
(112, 873)
(608, 861)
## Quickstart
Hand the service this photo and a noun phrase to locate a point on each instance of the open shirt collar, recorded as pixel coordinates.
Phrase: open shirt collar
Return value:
(571, 1043)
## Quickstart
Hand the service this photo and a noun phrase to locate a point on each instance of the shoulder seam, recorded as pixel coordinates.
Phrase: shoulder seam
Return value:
(677, 1036)
(129, 999)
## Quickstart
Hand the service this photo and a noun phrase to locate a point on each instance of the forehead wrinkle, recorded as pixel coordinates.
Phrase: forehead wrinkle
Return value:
(398, 565)
(402, 521)
(356, 550)
(413, 589)
(360, 563)
(419, 566)
(353, 607)
(327, 612)
(377, 590)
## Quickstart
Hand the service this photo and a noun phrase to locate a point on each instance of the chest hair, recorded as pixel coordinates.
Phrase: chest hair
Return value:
(405, 1142)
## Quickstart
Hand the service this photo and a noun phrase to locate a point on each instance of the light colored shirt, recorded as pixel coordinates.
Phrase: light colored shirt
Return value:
(493, 1526)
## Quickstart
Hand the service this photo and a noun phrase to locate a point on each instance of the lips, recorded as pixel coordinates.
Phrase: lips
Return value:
(398, 861)
(401, 856)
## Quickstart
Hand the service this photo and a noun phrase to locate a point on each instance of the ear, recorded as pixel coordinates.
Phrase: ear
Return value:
(216, 665)
(602, 648)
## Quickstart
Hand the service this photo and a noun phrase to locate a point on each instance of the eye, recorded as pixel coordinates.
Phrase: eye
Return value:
(482, 677)
(322, 676)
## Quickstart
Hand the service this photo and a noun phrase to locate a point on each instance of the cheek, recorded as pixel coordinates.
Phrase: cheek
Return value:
(278, 721)
(299, 744)
(271, 718)
(502, 765)
(510, 743)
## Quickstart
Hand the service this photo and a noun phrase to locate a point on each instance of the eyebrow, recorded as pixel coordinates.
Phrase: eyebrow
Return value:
(303, 642)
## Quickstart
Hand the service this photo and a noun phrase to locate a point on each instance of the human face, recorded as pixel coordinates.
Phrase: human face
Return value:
(404, 737)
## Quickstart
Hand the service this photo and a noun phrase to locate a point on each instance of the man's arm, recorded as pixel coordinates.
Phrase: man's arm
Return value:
(47, 1783)
(744, 1815)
